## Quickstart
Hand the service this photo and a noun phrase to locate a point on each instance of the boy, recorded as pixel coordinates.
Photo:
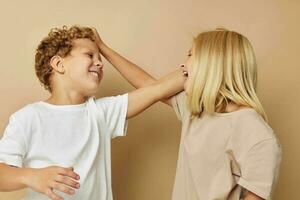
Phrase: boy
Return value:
(60, 148)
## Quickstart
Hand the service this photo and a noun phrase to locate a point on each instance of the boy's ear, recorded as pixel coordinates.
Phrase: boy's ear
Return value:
(57, 64)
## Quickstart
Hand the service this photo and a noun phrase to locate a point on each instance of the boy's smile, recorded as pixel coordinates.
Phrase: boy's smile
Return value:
(83, 66)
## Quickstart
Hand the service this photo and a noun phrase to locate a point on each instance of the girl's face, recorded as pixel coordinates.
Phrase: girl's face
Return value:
(187, 70)
(84, 67)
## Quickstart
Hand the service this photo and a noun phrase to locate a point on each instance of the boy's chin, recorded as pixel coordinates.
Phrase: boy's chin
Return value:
(92, 90)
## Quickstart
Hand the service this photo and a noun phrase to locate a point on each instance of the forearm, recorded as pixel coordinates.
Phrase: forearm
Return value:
(165, 87)
(134, 74)
(12, 178)
(169, 85)
(251, 196)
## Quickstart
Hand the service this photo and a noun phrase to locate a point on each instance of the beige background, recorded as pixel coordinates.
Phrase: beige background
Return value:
(157, 34)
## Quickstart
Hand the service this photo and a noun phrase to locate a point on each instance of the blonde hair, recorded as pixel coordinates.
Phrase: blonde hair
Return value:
(223, 70)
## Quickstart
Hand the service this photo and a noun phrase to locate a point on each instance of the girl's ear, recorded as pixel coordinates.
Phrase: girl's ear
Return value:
(57, 65)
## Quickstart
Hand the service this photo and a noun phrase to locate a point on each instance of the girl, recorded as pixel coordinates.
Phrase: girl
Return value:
(227, 149)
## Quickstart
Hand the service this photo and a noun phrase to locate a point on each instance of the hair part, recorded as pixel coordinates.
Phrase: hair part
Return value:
(58, 42)
(223, 70)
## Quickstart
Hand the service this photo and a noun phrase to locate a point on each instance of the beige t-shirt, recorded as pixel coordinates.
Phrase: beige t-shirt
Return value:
(221, 154)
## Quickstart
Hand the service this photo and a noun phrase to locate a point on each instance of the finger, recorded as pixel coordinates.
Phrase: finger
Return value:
(52, 195)
(95, 31)
(67, 181)
(70, 173)
(63, 188)
(71, 168)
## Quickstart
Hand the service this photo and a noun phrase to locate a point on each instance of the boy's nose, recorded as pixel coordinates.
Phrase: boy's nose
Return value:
(99, 64)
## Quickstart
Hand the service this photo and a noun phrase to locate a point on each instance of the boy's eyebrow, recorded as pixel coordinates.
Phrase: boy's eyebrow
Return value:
(90, 50)
(86, 49)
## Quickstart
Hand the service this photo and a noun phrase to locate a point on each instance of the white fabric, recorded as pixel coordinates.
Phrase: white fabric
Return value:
(42, 134)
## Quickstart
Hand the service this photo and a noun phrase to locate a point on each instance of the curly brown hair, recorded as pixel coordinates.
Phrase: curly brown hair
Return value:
(58, 42)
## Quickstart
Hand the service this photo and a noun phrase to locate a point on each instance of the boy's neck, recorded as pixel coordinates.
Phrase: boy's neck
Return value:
(62, 98)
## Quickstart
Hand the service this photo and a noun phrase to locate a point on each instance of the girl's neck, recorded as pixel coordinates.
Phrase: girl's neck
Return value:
(230, 107)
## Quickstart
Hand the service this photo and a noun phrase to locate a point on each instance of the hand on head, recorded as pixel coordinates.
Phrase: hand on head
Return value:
(98, 39)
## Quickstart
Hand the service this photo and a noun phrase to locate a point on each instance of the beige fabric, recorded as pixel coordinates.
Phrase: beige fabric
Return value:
(221, 154)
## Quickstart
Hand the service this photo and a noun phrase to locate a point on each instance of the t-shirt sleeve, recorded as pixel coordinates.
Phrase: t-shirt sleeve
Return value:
(260, 168)
(115, 111)
(12, 144)
(179, 105)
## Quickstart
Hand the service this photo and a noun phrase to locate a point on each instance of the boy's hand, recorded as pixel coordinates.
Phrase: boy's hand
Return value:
(45, 180)
(98, 40)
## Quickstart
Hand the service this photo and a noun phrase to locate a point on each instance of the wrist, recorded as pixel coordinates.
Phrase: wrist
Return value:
(26, 176)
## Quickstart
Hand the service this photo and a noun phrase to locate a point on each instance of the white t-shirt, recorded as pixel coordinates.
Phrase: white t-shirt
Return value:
(42, 134)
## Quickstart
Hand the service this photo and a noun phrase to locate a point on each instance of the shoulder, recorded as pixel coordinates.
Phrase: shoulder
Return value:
(248, 121)
(25, 113)
(180, 97)
(23, 120)
(179, 104)
(250, 129)
(106, 101)
(252, 137)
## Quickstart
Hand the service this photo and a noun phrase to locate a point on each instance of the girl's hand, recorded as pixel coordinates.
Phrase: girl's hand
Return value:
(98, 40)
(45, 180)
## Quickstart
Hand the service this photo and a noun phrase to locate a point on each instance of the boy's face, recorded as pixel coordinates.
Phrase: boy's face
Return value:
(83, 67)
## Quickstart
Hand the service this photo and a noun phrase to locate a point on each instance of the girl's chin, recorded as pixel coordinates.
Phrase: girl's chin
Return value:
(186, 92)
(185, 88)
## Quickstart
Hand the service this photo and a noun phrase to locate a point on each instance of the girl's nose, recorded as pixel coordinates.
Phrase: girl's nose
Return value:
(183, 69)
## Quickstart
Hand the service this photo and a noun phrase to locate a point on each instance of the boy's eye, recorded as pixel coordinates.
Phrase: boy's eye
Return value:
(90, 55)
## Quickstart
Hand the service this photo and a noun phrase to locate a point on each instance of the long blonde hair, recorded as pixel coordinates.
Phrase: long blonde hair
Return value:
(223, 70)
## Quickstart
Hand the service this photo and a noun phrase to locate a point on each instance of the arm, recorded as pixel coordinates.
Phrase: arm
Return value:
(42, 180)
(251, 196)
(142, 98)
(134, 74)
(11, 178)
